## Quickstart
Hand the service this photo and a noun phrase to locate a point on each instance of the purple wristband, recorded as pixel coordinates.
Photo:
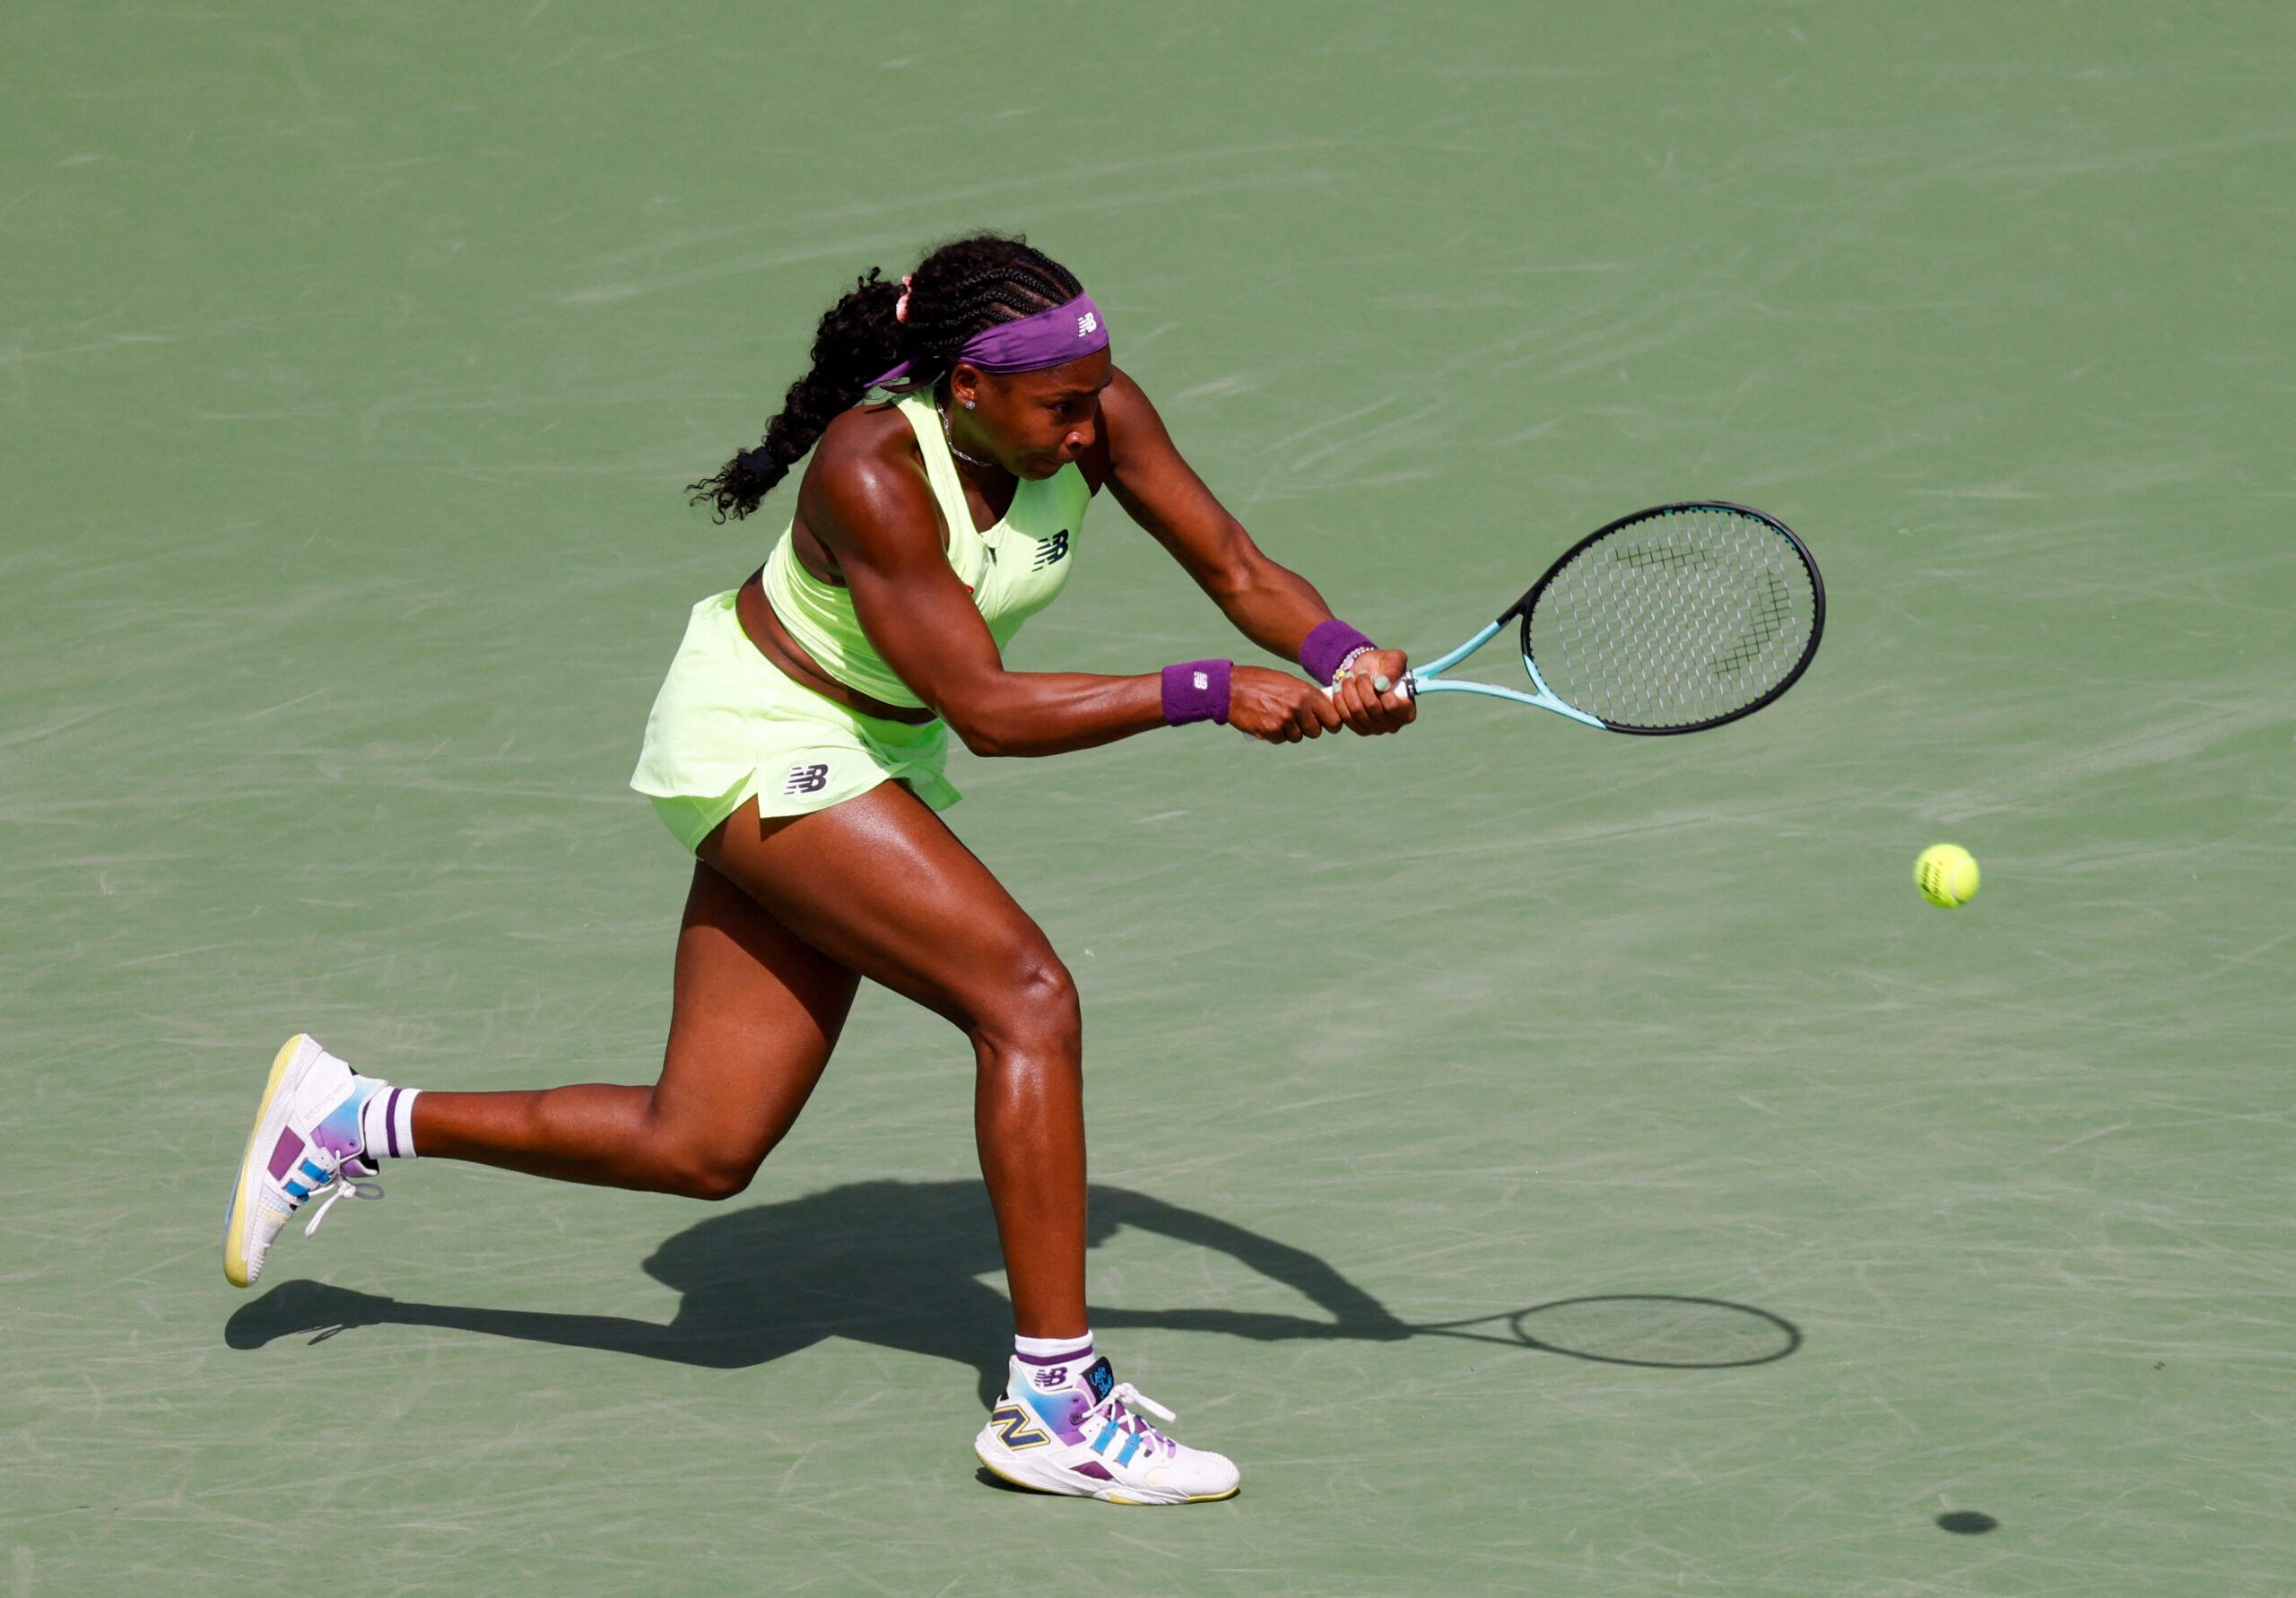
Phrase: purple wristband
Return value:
(1196, 691)
(1328, 646)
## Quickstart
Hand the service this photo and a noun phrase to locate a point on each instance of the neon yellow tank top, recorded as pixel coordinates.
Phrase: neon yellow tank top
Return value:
(1014, 569)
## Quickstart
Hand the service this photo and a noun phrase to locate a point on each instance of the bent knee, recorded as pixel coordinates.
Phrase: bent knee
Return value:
(703, 1178)
(710, 1182)
(701, 1167)
(1034, 1009)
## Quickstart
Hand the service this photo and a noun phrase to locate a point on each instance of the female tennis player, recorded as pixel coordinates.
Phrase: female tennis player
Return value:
(796, 750)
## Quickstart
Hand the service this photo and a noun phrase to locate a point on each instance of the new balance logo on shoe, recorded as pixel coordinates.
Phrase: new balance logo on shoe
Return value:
(1051, 550)
(1050, 1376)
(1015, 1428)
(805, 779)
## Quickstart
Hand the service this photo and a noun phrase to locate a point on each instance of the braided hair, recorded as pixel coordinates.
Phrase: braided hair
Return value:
(961, 288)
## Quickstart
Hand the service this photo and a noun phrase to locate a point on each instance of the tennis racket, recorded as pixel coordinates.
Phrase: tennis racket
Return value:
(1673, 620)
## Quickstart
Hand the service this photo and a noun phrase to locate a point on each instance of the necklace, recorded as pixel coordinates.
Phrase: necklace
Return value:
(951, 440)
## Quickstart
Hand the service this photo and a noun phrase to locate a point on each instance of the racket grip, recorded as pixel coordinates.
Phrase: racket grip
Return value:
(1407, 688)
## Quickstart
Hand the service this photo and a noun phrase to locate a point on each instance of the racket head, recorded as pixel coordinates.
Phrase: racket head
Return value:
(1676, 618)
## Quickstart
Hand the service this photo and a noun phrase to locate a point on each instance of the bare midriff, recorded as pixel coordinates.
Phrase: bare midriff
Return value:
(773, 641)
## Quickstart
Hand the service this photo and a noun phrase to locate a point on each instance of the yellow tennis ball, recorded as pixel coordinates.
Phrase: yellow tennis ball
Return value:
(1946, 874)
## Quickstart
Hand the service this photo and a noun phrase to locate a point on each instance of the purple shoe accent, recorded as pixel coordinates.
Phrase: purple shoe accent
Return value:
(338, 1135)
(1093, 1467)
(1060, 1411)
(1066, 1356)
(390, 1121)
(289, 1149)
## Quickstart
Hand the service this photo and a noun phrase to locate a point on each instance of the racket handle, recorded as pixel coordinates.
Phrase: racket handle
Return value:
(1407, 688)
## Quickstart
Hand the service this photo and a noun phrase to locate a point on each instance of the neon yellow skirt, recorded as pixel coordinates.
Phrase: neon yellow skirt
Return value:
(729, 725)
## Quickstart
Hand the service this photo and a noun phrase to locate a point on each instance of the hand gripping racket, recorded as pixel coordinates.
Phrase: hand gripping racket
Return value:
(1673, 620)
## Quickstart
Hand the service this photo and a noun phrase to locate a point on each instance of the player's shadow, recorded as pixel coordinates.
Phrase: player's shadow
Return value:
(896, 1263)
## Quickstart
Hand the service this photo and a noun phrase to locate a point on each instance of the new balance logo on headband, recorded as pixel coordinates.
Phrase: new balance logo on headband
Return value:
(805, 779)
(1086, 324)
(1051, 550)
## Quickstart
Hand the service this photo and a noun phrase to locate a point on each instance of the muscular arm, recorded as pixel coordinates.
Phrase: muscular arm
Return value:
(878, 517)
(1273, 606)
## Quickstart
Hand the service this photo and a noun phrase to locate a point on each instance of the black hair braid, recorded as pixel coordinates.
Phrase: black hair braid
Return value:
(961, 288)
(858, 339)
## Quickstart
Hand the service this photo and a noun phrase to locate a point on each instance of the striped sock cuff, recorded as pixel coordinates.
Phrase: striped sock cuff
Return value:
(386, 1122)
(1053, 1351)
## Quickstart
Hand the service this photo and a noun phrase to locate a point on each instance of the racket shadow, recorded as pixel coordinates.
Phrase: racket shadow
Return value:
(896, 1263)
(900, 1265)
(1651, 1331)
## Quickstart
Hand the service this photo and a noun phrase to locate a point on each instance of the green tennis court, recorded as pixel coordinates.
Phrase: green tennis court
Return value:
(351, 366)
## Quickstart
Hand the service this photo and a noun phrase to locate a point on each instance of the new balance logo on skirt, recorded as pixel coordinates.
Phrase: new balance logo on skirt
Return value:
(805, 779)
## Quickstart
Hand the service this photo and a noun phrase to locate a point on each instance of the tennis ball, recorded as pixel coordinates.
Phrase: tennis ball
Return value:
(1946, 874)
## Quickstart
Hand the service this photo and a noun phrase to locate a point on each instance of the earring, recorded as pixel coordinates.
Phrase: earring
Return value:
(968, 405)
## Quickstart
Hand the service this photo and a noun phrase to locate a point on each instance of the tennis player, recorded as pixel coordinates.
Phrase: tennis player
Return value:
(796, 750)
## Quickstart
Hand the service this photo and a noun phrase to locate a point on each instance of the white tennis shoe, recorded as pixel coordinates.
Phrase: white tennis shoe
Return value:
(305, 1145)
(1079, 1439)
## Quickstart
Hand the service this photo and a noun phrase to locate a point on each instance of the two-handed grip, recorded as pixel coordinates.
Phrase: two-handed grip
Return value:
(1407, 687)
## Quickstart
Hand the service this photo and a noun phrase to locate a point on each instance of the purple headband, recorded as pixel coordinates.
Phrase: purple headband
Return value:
(1051, 337)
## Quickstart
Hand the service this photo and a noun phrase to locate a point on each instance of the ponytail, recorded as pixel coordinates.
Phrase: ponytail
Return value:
(958, 289)
(856, 339)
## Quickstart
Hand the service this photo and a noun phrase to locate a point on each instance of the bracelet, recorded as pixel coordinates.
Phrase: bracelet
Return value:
(1340, 673)
(1196, 691)
(1329, 647)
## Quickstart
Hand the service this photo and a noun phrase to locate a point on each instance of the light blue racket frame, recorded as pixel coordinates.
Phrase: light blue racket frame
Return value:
(1429, 679)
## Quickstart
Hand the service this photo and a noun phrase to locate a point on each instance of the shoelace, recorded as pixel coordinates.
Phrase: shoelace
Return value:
(1111, 1409)
(343, 1182)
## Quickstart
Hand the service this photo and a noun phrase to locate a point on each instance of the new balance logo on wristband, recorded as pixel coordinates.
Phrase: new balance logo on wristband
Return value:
(1202, 681)
(805, 779)
(1051, 550)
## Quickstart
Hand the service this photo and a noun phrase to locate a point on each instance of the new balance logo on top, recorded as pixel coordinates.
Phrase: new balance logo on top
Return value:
(1051, 550)
(1085, 324)
(805, 779)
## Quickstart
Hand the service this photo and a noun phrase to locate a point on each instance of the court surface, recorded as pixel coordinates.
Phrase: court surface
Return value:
(350, 369)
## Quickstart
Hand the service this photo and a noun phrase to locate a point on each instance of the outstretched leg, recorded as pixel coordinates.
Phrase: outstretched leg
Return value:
(756, 1012)
(784, 915)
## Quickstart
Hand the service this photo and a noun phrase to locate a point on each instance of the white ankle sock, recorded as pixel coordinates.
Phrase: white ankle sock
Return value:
(386, 1122)
(1061, 1359)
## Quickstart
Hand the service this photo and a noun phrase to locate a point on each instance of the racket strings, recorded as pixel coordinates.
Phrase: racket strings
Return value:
(1682, 618)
